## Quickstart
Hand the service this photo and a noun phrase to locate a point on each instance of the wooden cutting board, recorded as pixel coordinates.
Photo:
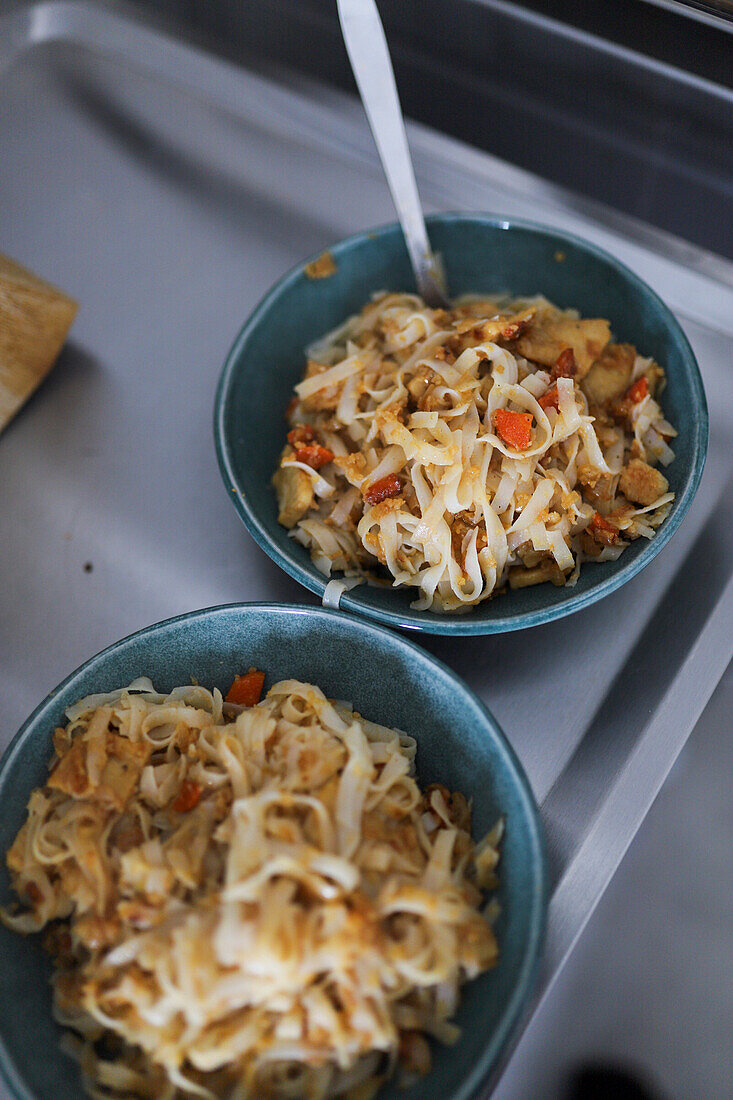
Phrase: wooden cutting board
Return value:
(34, 320)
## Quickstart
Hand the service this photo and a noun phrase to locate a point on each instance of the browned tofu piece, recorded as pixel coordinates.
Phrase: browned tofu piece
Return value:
(543, 342)
(294, 491)
(504, 328)
(123, 762)
(547, 570)
(641, 483)
(70, 774)
(474, 309)
(610, 376)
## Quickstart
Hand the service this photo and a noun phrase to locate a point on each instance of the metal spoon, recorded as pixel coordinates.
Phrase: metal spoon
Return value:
(367, 48)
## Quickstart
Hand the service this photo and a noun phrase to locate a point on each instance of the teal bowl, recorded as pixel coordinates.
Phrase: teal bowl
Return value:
(389, 680)
(482, 254)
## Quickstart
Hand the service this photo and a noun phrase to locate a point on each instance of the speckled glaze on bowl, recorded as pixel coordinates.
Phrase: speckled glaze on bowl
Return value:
(388, 679)
(481, 254)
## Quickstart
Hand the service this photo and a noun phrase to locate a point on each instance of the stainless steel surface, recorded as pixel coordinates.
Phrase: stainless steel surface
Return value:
(718, 13)
(166, 191)
(628, 994)
(370, 60)
(628, 103)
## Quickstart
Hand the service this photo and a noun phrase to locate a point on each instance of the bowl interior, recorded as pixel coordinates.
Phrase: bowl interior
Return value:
(480, 255)
(388, 680)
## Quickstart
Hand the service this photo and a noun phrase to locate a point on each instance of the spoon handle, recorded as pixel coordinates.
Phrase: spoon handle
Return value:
(367, 49)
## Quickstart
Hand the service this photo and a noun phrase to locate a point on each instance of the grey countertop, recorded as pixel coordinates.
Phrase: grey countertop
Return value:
(166, 190)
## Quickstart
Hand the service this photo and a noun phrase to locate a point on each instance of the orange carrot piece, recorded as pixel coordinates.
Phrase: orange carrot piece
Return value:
(603, 530)
(383, 489)
(549, 400)
(638, 391)
(189, 797)
(313, 454)
(300, 435)
(514, 330)
(247, 689)
(565, 367)
(514, 428)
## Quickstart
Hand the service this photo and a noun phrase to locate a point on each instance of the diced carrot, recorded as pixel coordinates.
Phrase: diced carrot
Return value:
(638, 391)
(189, 797)
(314, 455)
(247, 689)
(603, 530)
(565, 366)
(300, 435)
(514, 428)
(386, 487)
(549, 400)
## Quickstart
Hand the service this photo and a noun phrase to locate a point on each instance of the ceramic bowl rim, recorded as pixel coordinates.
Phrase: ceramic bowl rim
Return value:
(308, 575)
(510, 764)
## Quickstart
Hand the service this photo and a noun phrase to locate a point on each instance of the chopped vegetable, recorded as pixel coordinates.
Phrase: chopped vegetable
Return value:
(514, 428)
(383, 489)
(641, 483)
(546, 570)
(610, 375)
(549, 400)
(247, 689)
(515, 328)
(545, 342)
(313, 454)
(294, 488)
(300, 435)
(638, 391)
(188, 799)
(602, 530)
(565, 367)
(497, 328)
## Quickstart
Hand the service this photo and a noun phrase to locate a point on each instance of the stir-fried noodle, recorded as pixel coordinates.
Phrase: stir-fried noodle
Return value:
(451, 452)
(248, 900)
